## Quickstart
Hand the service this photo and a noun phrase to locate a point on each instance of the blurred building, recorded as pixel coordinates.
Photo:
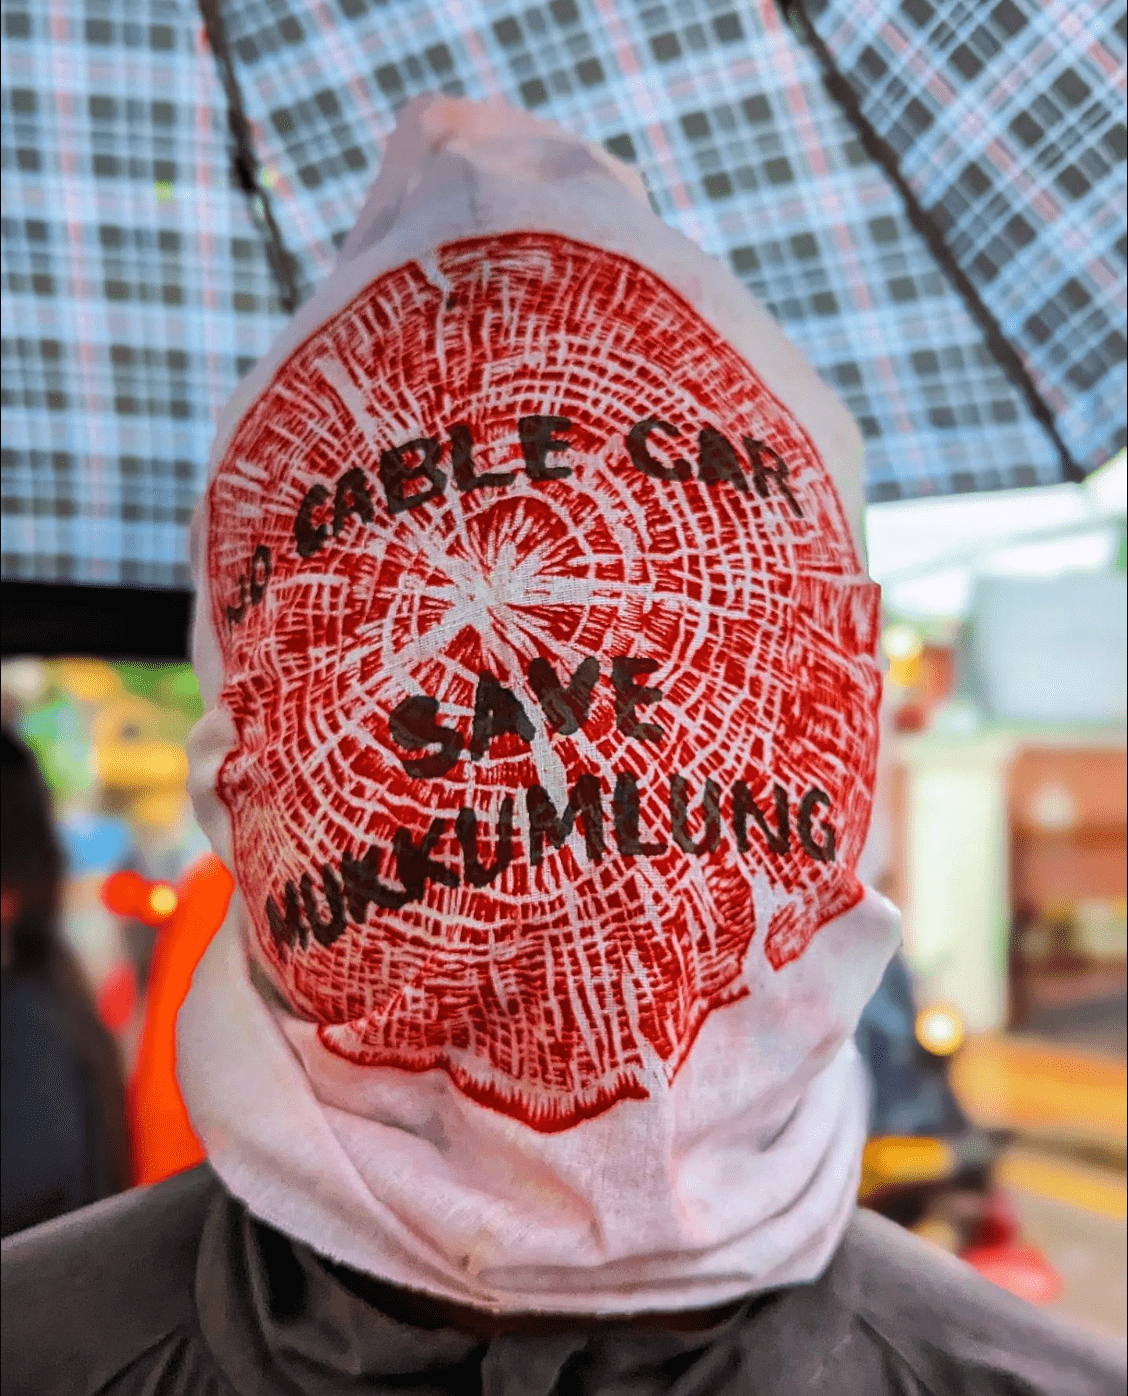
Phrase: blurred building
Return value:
(1010, 786)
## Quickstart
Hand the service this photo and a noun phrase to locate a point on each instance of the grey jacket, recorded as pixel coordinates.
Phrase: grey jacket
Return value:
(175, 1289)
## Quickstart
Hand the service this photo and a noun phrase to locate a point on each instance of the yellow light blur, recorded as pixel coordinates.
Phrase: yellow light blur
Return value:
(162, 899)
(130, 751)
(901, 642)
(905, 650)
(88, 680)
(140, 765)
(158, 809)
(940, 1030)
(901, 1159)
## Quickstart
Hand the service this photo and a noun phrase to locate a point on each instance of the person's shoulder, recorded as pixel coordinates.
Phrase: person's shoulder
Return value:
(956, 1332)
(41, 1063)
(87, 1295)
(31, 1012)
(39, 1060)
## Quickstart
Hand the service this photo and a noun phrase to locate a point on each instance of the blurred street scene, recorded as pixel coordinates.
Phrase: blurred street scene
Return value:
(1065, 1172)
(1006, 794)
(109, 739)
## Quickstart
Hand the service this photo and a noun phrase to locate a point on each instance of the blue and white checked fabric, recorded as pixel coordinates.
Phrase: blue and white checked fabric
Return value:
(1009, 119)
(724, 112)
(134, 288)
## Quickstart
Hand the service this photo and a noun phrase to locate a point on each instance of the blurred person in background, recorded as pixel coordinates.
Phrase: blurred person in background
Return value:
(65, 1142)
(542, 757)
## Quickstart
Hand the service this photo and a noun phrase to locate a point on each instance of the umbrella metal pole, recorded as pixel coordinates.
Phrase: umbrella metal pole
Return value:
(283, 263)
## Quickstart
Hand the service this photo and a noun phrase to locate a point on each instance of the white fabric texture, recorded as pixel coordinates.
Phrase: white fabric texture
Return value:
(689, 1173)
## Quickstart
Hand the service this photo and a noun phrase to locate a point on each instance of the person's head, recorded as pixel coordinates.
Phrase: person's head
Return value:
(32, 861)
(538, 660)
(538, 639)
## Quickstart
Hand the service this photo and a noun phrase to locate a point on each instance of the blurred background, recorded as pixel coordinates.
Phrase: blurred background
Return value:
(930, 197)
(1004, 801)
(109, 740)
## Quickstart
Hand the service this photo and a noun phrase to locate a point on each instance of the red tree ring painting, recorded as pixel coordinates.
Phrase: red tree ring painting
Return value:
(551, 665)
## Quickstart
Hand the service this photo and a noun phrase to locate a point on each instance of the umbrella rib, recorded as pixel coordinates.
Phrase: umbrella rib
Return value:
(283, 264)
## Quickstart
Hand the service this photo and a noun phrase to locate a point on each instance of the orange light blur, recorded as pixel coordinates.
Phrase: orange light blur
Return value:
(128, 894)
(125, 893)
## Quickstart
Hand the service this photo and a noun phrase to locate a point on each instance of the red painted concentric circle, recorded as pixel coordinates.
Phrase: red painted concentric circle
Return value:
(559, 988)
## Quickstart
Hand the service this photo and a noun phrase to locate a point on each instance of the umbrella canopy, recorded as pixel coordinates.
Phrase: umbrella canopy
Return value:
(928, 195)
(135, 293)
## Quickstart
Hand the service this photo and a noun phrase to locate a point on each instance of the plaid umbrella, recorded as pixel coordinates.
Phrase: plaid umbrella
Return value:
(928, 195)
